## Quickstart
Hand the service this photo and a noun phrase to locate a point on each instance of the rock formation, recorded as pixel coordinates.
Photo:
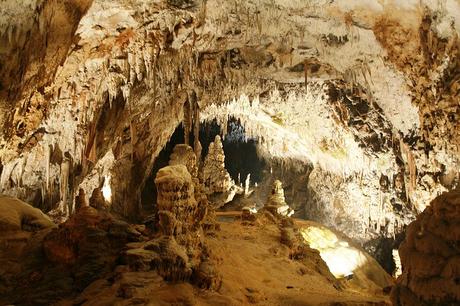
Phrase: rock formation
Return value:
(218, 184)
(430, 256)
(179, 252)
(183, 154)
(276, 203)
(358, 99)
(16, 215)
(215, 176)
(97, 199)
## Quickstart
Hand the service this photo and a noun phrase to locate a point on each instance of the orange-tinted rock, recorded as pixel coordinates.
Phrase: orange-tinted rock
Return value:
(430, 256)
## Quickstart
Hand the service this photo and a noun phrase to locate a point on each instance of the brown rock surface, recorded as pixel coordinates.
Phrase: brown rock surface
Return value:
(18, 215)
(430, 256)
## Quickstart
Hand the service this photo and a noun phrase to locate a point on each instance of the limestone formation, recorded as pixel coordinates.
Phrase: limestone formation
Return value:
(178, 251)
(215, 176)
(276, 203)
(357, 100)
(80, 200)
(17, 215)
(218, 184)
(430, 256)
(183, 154)
(97, 200)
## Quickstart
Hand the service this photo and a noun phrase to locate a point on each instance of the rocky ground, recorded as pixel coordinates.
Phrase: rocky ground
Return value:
(86, 261)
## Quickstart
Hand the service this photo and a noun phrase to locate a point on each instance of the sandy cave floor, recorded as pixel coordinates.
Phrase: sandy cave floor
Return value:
(255, 269)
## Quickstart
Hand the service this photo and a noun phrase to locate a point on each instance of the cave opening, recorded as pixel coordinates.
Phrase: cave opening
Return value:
(241, 156)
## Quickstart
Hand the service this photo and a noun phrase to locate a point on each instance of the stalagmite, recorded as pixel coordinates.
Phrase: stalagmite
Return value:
(217, 181)
(177, 254)
(183, 155)
(276, 203)
(247, 183)
(353, 105)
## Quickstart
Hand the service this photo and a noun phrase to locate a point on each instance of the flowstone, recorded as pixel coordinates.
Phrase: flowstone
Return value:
(17, 215)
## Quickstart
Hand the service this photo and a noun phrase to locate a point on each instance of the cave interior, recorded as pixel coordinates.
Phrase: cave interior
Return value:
(210, 152)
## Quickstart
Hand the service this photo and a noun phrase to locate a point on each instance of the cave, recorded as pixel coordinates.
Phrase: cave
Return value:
(270, 152)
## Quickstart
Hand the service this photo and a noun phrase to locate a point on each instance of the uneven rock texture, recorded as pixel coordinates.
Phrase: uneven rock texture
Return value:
(276, 203)
(59, 262)
(430, 256)
(179, 252)
(184, 155)
(35, 37)
(262, 272)
(132, 66)
(218, 184)
(344, 153)
(365, 92)
(16, 215)
(431, 63)
(215, 176)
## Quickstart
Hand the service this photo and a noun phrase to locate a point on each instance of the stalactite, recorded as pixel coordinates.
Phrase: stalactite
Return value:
(64, 184)
(132, 131)
(187, 121)
(196, 132)
(47, 171)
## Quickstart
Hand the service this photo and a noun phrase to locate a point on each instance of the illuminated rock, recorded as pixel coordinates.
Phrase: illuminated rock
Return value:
(18, 215)
(276, 203)
(179, 249)
(430, 256)
(97, 200)
(215, 177)
(184, 155)
(80, 200)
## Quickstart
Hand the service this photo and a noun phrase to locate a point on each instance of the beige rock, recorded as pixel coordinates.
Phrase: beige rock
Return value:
(276, 203)
(18, 215)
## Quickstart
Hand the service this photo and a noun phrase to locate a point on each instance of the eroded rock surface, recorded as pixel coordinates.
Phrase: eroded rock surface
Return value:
(276, 203)
(430, 256)
(60, 262)
(179, 252)
(16, 215)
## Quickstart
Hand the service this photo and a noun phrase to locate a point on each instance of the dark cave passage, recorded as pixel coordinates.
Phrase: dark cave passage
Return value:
(241, 156)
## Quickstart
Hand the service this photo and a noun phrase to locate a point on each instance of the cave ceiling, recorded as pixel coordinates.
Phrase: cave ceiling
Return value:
(106, 81)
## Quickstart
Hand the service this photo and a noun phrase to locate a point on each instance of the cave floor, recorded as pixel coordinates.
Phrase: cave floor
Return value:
(255, 268)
